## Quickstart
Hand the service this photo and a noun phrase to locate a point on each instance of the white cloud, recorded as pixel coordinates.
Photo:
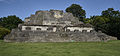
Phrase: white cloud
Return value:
(7, 1)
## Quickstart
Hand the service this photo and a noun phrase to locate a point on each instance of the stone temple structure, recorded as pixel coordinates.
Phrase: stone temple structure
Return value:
(55, 26)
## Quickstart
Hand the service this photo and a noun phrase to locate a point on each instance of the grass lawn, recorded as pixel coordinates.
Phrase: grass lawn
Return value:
(111, 48)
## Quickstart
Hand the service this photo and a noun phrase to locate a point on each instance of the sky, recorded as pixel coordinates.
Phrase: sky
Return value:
(24, 8)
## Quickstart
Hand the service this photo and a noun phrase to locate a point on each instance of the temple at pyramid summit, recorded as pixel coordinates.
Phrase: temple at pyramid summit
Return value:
(55, 26)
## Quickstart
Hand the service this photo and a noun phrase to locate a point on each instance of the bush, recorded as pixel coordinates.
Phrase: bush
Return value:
(3, 32)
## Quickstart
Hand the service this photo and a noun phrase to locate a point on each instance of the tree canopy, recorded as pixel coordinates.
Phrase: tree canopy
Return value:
(77, 11)
(108, 22)
(10, 22)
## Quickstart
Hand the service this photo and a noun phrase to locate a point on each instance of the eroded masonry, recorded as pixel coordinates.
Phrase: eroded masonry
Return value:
(55, 26)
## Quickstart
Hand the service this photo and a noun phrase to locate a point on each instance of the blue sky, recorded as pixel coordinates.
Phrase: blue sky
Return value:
(24, 8)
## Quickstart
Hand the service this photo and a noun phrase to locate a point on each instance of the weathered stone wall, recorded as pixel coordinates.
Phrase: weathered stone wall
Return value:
(45, 36)
(55, 28)
(52, 17)
(81, 29)
(39, 28)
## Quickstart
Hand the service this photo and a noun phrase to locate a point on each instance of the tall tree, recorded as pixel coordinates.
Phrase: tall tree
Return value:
(10, 22)
(108, 22)
(114, 23)
(77, 11)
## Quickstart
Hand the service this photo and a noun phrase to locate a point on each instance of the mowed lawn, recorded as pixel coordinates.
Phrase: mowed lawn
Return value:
(111, 48)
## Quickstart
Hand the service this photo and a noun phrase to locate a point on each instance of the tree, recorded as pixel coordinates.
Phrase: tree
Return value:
(108, 22)
(10, 22)
(114, 23)
(77, 11)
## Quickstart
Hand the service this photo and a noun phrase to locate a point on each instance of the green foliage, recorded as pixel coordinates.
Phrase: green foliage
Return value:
(100, 23)
(77, 11)
(10, 22)
(86, 20)
(111, 13)
(111, 48)
(3, 32)
(108, 22)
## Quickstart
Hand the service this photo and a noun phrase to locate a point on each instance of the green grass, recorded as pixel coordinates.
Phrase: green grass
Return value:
(111, 48)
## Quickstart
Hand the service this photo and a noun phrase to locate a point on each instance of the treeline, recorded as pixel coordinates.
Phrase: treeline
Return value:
(108, 22)
(7, 24)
